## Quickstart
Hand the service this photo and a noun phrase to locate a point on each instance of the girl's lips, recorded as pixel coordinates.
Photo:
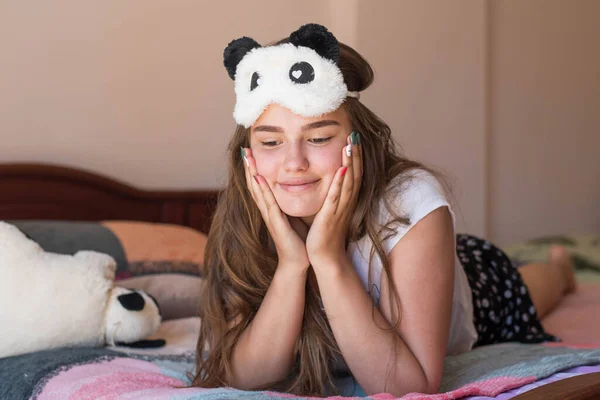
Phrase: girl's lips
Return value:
(300, 187)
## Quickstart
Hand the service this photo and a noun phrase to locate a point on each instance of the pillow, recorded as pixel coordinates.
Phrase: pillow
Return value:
(584, 248)
(163, 260)
(69, 237)
(153, 248)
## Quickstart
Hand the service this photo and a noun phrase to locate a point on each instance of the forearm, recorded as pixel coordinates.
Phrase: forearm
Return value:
(366, 347)
(265, 350)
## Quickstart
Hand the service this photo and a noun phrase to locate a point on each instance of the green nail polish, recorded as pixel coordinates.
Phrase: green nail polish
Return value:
(353, 138)
(243, 152)
(358, 137)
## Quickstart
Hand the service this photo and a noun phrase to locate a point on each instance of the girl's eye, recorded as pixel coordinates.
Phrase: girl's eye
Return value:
(273, 143)
(320, 140)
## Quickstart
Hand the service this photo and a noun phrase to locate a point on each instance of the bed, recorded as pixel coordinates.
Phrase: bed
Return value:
(95, 207)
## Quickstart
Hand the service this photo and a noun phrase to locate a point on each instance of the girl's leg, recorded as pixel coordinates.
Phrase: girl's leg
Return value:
(548, 282)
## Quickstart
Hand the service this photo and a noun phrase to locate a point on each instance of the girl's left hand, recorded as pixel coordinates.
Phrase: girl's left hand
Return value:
(326, 240)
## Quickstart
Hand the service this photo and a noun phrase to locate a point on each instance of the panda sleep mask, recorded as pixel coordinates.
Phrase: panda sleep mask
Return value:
(302, 75)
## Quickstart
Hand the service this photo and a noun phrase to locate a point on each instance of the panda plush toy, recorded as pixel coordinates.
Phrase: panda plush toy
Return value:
(50, 300)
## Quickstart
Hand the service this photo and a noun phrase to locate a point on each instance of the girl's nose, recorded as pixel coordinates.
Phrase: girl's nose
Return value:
(295, 159)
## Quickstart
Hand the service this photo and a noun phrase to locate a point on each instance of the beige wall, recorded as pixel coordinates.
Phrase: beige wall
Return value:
(502, 95)
(132, 89)
(429, 61)
(545, 118)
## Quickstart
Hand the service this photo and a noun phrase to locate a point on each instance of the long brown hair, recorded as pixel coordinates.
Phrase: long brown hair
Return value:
(240, 258)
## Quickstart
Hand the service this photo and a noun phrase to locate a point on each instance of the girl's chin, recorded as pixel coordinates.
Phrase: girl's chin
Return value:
(300, 212)
(299, 206)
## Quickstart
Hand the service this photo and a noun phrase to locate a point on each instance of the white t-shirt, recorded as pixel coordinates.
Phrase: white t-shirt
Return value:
(415, 198)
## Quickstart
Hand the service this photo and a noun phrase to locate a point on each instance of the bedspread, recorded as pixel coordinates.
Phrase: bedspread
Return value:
(120, 373)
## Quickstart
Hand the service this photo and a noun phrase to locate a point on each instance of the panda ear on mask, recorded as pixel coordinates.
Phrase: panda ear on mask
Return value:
(313, 36)
(318, 38)
(235, 51)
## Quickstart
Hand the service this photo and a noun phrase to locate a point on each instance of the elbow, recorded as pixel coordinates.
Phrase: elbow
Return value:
(432, 383)
(250, 383)
(432, 379)
(257, 379)
(433, 387)
(424, 386)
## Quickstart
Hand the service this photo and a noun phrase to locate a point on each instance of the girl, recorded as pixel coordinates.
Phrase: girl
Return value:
(331, 253)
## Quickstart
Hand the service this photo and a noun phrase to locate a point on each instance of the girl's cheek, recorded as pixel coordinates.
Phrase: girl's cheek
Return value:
(259, 165)
(264, 164)
(333, 157)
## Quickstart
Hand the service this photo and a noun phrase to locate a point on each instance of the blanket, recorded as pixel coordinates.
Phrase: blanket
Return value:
(92, 373)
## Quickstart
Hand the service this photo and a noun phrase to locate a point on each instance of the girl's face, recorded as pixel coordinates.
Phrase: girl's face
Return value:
(299, 156)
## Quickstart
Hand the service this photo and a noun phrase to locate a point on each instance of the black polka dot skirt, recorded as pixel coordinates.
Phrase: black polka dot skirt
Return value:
(503, 310)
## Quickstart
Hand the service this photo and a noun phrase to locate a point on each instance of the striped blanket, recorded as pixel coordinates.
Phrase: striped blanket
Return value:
(115, 373)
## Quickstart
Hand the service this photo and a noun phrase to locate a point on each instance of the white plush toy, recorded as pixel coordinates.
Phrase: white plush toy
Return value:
(50, 300)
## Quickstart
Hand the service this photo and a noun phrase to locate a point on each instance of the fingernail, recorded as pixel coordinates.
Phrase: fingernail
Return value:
(344, 171)
(349, 150)
(358, 137)
(244, 157)
(353, 138)
(256, 179)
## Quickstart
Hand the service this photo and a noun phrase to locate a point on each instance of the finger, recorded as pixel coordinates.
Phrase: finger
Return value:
(249, 177)
(261, 187)
(247, 173)
(253, 186)
(265, 193)
(277, 219)
(267, 204)
(358, 163)
(333, 195)
(347, 188)
(246, 170)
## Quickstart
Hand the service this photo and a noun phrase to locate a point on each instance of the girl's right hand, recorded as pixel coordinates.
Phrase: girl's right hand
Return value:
(288, 233)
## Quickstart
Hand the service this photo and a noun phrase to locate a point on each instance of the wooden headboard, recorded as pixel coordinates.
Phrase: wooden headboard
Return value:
(52, 192)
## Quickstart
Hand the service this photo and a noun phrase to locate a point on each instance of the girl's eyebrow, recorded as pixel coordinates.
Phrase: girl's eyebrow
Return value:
(267, 128)
(307, 127)
(319, 124)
